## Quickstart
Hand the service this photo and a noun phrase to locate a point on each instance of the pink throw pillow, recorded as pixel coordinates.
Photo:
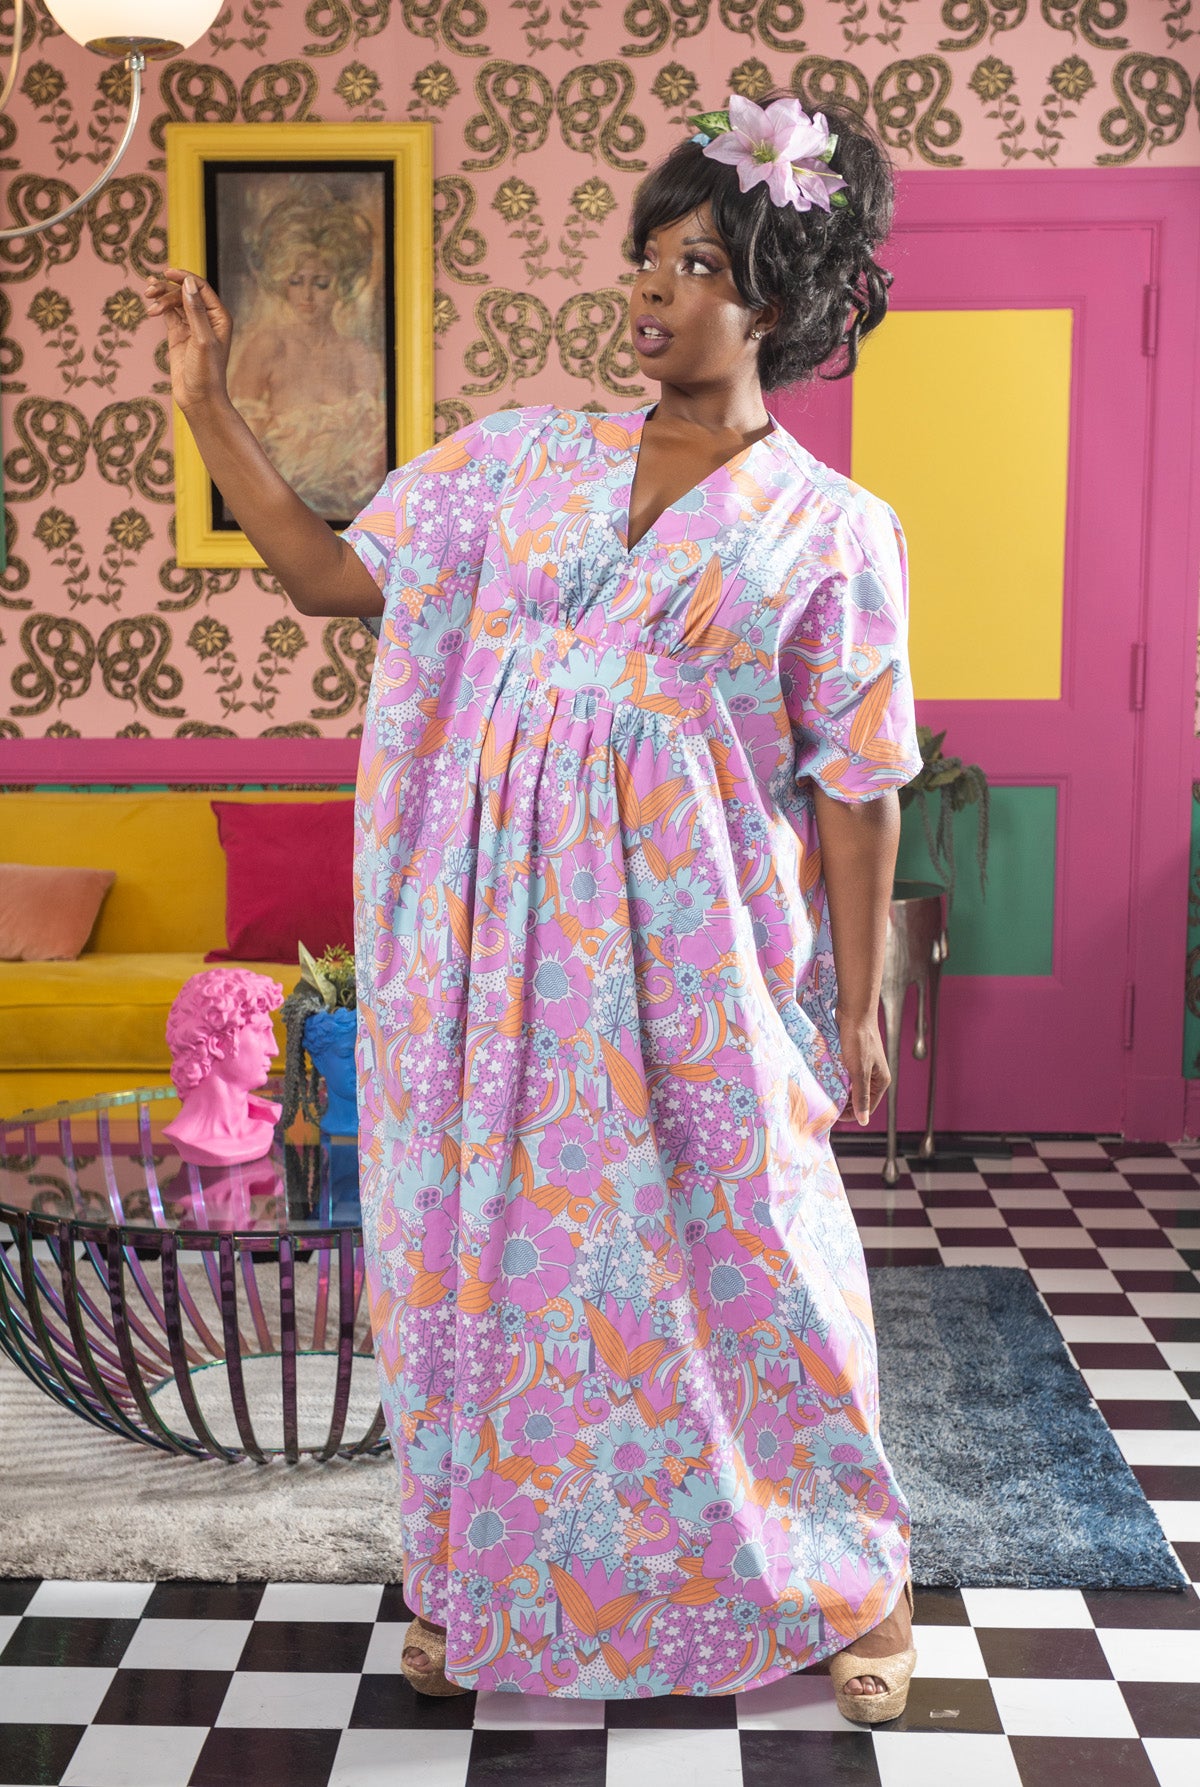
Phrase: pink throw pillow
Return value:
(289, 878)
(47, 913)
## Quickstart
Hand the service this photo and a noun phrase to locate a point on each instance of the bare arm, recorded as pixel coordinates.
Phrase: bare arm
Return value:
(320, 573)
(859, 841)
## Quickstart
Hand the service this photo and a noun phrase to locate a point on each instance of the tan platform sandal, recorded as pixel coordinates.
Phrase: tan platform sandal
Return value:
(422, 1637)
(894, 1672)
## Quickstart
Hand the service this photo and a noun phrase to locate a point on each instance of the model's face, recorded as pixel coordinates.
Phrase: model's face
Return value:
(253, 1052)
(689, 323)
(310, 288)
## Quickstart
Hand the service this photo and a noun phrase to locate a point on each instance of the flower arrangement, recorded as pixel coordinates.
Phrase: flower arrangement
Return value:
(779, 144)
(326, 984)
(957, 785)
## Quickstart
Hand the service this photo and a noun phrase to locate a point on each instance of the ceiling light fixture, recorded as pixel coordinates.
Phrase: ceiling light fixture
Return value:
(125, 28)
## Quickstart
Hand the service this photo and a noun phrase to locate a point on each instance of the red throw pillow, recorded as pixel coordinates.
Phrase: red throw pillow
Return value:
(289, 877)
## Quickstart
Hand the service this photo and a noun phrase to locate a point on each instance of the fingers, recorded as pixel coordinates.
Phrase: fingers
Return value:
(186, 303)
(169, 291)
(162, 297)
(174, 276)
(880, 1080)
(864, 1062)
(858, 1069)
(869, 1081)
(860, 1096)
(196, 308)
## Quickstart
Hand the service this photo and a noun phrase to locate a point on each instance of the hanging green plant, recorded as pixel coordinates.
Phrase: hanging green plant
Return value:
(956, 785)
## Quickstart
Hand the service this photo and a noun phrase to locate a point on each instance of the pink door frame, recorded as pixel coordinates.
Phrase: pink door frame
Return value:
(1166, 202)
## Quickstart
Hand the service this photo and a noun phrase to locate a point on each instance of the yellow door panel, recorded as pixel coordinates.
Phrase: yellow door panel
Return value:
(961, 421)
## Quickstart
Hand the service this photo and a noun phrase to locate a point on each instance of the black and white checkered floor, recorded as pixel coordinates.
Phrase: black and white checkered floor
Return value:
(286, 1685)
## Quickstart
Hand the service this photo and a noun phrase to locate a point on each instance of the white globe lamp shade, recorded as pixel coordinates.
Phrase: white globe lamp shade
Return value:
(113, 27)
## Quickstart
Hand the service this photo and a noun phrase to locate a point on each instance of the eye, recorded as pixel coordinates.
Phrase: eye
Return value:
(698, 260)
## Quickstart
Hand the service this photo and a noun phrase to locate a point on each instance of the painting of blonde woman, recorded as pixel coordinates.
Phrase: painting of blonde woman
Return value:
(300, 257)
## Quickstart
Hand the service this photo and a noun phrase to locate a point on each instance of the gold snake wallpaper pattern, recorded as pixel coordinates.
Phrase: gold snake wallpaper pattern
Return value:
(546, 113)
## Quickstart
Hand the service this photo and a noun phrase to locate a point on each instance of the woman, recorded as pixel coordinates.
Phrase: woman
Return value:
(308, 387)
(626, 800)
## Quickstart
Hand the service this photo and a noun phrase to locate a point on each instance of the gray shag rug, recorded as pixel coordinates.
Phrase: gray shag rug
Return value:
(1012, 1477)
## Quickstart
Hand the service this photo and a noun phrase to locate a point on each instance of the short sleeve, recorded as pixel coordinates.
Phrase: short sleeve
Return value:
(429, 521)
(844, 656)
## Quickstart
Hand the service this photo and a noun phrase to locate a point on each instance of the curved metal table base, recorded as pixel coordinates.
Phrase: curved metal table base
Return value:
(105, 1315)
(104, 1332)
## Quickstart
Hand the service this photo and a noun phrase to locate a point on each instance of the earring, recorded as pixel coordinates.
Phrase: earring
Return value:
(756, 334)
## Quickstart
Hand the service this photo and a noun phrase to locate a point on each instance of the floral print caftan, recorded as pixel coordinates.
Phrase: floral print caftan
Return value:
(619, 1301)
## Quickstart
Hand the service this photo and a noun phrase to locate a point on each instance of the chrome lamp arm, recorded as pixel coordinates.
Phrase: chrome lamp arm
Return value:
(14, 61)
(112, 28)
(135, 62)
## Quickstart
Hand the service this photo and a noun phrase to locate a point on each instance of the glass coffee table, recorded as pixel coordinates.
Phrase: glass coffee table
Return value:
(215, 1312)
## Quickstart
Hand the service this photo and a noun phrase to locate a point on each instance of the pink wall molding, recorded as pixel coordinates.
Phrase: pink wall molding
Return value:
(101, 762)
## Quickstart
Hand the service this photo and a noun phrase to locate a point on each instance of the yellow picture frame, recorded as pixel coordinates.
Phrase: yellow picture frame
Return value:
(407, 149)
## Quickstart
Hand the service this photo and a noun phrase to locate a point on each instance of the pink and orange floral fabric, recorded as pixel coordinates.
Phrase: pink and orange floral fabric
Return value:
(621, 1311)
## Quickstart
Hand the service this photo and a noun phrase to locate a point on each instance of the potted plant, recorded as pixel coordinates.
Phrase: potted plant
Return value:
(321, 1019)
(956, 785)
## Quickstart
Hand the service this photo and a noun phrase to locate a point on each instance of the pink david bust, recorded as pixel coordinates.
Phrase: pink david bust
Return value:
(222, 1045)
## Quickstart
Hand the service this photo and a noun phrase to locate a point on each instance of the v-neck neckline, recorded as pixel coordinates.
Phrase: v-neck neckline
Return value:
(635, 447)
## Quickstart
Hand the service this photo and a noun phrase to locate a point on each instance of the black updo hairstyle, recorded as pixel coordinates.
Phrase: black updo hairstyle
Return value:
(818, 267)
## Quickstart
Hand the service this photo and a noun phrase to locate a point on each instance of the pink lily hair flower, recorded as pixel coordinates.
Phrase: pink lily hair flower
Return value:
(781, 145)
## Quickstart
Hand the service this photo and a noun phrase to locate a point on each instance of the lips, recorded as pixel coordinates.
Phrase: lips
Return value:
(650, 336)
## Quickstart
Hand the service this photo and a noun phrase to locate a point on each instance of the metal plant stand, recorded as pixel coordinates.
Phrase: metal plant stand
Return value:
(916, 949)
(216, 1312)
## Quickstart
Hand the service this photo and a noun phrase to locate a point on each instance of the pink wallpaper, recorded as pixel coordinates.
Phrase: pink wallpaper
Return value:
(546, 112)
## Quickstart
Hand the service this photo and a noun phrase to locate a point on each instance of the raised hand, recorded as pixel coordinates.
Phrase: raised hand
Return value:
(319, 571)
(199, 331)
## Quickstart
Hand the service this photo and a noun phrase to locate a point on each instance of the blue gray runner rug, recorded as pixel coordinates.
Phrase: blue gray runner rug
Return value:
(1013, 1478)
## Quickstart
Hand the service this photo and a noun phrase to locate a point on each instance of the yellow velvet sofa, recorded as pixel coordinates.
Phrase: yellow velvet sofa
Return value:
(98, 1024)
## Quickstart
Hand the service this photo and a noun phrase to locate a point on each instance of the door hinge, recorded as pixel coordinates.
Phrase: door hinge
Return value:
(1150, 320)
(1137, 676)
(1130, 999)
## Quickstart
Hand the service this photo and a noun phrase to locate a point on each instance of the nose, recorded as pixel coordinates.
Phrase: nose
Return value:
(654, 285)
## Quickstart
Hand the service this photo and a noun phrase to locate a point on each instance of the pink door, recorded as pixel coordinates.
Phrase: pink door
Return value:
(1037, 1021)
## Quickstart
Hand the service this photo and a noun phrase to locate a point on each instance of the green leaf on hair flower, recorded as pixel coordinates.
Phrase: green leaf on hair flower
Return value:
(827, 152)
(839, 199)
(711, 123)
